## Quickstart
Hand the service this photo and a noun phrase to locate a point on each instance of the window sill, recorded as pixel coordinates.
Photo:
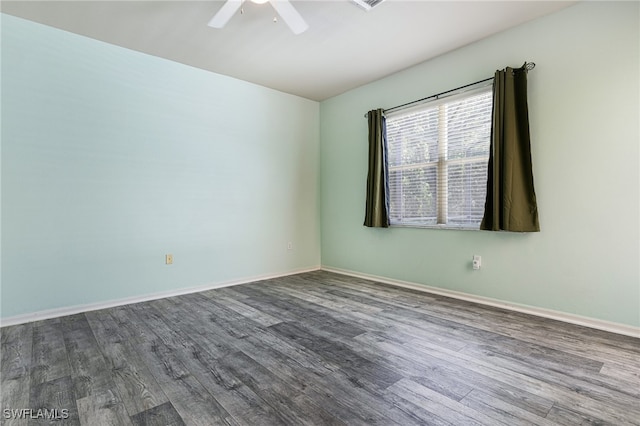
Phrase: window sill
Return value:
(444, 227)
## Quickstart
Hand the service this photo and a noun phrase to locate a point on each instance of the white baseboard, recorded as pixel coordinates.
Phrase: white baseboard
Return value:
(71, 310)
(598, 324)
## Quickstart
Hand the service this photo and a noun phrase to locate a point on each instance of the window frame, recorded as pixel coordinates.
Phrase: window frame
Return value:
(442, 163)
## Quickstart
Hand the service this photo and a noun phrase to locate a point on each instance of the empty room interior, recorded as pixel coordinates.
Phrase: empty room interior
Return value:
(347, 212)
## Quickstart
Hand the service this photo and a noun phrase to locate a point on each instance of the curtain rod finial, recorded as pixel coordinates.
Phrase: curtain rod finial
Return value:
(530, 65)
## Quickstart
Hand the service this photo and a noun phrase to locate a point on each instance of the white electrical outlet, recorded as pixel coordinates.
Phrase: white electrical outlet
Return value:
(477, 262)
(289, 245)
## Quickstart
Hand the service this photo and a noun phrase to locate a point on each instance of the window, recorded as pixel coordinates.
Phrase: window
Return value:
(437, 156)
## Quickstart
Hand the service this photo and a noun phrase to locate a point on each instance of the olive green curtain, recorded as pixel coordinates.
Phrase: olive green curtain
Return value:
(511, 199)
(377, 207)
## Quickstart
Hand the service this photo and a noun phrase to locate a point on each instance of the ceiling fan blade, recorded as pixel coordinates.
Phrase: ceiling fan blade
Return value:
(225, 13)
(290, 15)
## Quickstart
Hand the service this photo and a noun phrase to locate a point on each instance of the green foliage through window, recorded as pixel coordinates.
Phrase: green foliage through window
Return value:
(438, 156)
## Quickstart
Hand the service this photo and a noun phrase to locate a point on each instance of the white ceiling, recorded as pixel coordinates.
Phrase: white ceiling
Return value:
(345, 46)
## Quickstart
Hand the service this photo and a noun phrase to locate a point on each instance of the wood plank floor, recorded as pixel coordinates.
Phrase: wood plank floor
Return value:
(318, 349)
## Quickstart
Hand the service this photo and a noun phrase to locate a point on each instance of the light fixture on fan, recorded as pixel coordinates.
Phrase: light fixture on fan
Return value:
(285, 9)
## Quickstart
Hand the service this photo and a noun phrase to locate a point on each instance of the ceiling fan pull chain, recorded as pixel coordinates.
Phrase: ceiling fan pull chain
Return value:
(284, 10)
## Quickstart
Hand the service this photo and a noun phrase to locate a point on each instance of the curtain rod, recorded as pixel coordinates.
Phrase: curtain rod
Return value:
(527, 65)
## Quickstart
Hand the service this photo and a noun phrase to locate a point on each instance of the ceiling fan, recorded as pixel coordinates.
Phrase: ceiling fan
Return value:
(285, 9)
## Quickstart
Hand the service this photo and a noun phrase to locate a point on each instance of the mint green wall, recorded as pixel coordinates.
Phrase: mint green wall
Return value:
(584, 112)
(112, 158)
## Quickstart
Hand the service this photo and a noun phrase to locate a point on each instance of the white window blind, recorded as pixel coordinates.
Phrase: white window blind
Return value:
(438, 154)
